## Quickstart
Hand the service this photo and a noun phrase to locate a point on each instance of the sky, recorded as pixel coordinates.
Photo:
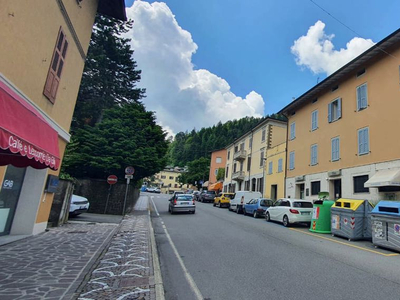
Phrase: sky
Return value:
(205, 61)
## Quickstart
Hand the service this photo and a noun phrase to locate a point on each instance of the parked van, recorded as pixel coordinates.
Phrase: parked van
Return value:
(241, 198)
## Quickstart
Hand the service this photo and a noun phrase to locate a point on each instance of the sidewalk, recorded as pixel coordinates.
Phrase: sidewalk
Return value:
(85, 261)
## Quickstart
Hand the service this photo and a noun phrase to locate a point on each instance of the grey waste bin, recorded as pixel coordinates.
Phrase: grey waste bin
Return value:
(385, 219)
(350, 219)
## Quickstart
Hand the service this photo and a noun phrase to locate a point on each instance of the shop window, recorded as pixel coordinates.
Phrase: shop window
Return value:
(358, 184)
(56, 67)
(315, 187)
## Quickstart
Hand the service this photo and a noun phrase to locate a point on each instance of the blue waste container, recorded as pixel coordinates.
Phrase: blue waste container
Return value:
(385, 218)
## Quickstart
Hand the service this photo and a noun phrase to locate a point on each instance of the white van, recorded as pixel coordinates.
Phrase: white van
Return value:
(237, 202)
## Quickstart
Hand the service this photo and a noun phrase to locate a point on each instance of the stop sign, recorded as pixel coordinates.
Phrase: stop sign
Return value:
(112, 179)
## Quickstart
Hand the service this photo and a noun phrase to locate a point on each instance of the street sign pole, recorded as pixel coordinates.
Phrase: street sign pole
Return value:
(108, 198)
(129, 175)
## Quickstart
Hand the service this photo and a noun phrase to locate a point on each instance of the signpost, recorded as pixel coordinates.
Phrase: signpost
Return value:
(111, 180)
(129, 171)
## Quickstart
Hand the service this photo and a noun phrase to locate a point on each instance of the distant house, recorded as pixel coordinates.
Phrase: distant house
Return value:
(343, 132)
(218, 160)
(42, 55)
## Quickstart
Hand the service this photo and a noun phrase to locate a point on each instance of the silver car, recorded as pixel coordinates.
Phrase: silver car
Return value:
(182, 203)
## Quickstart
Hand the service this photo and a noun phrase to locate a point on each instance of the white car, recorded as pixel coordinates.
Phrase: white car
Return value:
(289, 211)
(78, 205)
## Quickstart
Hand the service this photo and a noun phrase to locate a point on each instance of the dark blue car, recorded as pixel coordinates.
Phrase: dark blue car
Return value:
(257, 207)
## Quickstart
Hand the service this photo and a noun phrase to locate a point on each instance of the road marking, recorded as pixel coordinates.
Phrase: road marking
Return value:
(154, 206)
(343, 243)
(188, 277)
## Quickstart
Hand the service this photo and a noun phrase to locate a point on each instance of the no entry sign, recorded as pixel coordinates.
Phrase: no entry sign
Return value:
(129, 170)
(112, 179)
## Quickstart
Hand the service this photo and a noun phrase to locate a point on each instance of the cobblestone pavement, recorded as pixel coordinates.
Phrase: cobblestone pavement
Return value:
(126, 269)
(53, 264)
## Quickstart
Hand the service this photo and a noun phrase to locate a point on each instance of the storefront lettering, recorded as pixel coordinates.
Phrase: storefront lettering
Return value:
(8, 184)
(15, 143)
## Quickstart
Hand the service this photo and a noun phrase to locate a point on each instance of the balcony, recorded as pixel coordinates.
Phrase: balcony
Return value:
(240, 155)
(238, 176)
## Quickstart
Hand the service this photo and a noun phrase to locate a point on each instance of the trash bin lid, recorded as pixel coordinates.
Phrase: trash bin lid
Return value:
(352, 204)
(387, 208)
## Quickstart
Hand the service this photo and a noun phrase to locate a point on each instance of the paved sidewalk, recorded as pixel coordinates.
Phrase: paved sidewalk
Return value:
(84, 261)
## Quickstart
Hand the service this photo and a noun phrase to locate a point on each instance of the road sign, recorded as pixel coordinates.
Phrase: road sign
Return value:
(112, 179)
(128, 176)
(129, 170)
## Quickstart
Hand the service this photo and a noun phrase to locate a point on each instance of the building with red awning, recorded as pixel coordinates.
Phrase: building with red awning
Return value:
(42, 56)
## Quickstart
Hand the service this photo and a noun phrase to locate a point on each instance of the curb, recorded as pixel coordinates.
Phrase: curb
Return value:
(158, 282)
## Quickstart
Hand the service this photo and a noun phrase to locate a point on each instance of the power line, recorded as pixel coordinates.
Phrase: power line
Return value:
(355, 32)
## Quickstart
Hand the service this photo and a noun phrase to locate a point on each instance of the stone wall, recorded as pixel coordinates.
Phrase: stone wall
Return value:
(60, 208)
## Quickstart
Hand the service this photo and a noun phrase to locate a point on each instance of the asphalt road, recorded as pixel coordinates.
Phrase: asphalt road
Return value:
(221, 255)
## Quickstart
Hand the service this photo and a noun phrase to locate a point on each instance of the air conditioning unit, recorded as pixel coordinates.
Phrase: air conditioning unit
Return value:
(334, 173)
(300, 178)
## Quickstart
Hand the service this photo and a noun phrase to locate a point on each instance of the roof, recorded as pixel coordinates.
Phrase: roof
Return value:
(112, 8)
(354, 65)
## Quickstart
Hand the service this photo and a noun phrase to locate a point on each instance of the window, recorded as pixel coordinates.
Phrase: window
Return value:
(171, 177)
(216, 172)
(248, 163)
(56, 66)
(314, 120)
(229, 154)
(247, 185)
(358, 183)
(262, 157)
(291, 160)
(242, 146)
(263, 135)
(250, 142)
(280, 169)
(363, 141)
(362, 99)
(335, 110)
(218, 160)
(163, 176)
(314, 155)
(292, 131)
(227, 171)
(234, 168)
(270, 167)
(315, 187)
(335, 149)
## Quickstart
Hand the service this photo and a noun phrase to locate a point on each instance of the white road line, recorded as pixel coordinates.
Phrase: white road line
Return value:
(188, 277)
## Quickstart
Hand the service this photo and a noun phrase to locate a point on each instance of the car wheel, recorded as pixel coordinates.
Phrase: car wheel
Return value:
(255, 215)
(285, 221)
(267, 217)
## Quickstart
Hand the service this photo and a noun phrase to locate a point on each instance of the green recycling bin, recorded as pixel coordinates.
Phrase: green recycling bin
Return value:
(321, 218)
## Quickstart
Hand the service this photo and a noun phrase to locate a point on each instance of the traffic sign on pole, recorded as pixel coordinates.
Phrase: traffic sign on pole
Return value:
(129, 170)
(112, 179)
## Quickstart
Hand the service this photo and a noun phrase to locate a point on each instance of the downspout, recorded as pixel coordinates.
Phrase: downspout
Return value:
(286, 152)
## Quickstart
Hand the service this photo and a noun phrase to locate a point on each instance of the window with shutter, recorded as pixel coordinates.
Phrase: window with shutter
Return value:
(291, 160)
(362, 100)
(314, 155)
(314, 120)
(280, 165)
(363, 141)
(335, 153)
(292, 130)
(56, 67)
(335, 110)
(270, 167)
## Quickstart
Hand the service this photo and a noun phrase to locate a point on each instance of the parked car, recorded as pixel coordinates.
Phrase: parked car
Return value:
(157, 191)
(223, 199)
(207, 196)
(78, 205)
(241, 198)
(196, 195)
(182, 203)
(289, 211)
(257, 207)
(150, 189)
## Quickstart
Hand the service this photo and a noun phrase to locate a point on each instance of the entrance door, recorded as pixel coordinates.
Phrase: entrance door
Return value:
(9, 194)
(337, 188)
(274, 191)
(300, 190)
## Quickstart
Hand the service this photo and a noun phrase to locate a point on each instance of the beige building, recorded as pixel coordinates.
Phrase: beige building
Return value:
(246, 156)
(275, 166)
(342, 135)
(42, 54)
(167, 181)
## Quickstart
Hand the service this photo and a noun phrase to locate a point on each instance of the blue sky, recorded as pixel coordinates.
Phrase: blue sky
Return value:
(241, 56)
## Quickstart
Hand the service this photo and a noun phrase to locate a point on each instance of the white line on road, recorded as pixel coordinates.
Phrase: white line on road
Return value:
(188, 277)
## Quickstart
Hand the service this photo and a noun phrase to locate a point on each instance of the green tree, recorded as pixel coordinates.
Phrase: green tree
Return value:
(127, 136)
(198, 170)
(110, 74)
(221, 174)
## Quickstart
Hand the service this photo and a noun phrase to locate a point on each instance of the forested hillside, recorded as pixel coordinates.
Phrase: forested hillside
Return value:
(187, 147)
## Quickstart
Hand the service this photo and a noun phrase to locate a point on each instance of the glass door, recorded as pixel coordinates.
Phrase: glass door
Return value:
(9, 194)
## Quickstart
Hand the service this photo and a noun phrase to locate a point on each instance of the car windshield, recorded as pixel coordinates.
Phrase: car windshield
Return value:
(211, 192)
(230, 196)
(303, 204)
(184, 198)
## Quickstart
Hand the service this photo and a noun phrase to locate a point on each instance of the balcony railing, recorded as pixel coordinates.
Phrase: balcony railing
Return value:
(239, 155)
(238, 176)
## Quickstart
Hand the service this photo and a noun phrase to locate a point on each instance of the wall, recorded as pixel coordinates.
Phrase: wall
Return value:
(276, 178)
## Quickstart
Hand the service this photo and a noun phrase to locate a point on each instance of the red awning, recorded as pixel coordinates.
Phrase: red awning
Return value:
(26, 139)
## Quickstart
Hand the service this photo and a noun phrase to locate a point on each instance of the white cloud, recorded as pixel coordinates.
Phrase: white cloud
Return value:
(316, 50)
(182, 97)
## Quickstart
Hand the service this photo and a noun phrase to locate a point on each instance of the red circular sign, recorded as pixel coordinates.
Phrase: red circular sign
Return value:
(129, 170)
(112, 179)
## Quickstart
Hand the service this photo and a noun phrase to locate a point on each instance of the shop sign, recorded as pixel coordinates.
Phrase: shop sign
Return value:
(8, 184)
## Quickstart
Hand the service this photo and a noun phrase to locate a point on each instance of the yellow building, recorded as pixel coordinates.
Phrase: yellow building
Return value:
(246, 156)
(167, 181)
(275, 166)
(342, 133)
(42, 54)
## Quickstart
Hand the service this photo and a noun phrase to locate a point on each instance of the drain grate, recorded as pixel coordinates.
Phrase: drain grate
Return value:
(77, 231)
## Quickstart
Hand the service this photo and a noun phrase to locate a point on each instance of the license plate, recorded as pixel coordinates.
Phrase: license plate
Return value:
(82, 207)
(305, 212)
(184, 203)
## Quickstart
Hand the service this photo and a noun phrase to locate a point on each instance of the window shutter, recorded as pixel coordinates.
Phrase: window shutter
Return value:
(366, 140)
(364, 96)
(359, 97)
(339, 115)
(330, 112)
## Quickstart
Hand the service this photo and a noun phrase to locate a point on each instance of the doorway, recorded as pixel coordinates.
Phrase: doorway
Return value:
(9, 195)
(274, 191)
(300, 191)
(337, 188)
